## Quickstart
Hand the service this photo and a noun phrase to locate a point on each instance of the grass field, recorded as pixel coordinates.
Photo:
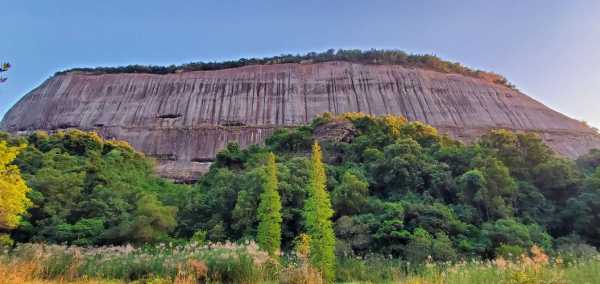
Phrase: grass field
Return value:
(231, 263)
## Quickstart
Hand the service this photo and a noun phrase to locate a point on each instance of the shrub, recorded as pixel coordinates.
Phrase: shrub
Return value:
(199, 237)
(418, 249)
(6, 241)
(510, 251)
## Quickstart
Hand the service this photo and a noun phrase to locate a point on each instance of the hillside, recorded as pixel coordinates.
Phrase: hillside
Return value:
(184, 117)
(405, 202)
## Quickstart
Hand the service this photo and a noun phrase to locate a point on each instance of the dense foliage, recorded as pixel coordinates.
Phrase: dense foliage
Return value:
(397, 189)
(87, 191)
(401, 189)
(373, 56)
(13, 190)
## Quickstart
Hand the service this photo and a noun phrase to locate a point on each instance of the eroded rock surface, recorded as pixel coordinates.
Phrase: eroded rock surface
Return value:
(184, 119)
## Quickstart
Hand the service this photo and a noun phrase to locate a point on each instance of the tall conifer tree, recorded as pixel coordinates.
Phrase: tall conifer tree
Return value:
(269, 212)
(318, 214)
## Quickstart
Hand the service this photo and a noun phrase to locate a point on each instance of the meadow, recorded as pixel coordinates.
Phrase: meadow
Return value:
(245, 263)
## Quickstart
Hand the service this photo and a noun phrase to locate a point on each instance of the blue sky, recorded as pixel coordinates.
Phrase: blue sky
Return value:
(549, 48)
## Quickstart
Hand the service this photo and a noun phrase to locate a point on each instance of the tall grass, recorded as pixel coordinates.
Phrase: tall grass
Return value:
(226, 263)
(532, 268)
(244, 263)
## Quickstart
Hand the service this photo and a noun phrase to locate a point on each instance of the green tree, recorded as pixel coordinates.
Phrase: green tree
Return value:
(532, 206)
(293, 178)
(389, 231)
(419, 246)
(489, 188)
(590, 161)
(511, 232)
(350, 196)
(269, 212)
(401, 169)
(582, 213)
(13, 190)
(442, 248)
(88, 191)
(558, 180)
(520, 152)
(152, 221)
(5, 66)
(244, 219)
(354, 234)
(422, 246)
(318, 214)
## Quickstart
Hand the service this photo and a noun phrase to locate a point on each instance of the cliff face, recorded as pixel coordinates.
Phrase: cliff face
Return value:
(183, 119)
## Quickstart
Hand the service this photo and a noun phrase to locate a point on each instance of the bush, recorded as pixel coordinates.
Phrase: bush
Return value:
(199, 237)
(418, 249)
(510, 251)
(572, 248)
(6, 241)
(290, 140)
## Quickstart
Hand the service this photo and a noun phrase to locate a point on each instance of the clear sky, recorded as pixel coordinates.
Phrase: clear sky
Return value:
(549, 48)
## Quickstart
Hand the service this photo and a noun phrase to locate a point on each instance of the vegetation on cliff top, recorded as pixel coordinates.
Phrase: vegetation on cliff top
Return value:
(373, 56)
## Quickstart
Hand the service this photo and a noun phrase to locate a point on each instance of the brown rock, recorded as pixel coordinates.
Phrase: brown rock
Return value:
(335, 131)
(184, 118)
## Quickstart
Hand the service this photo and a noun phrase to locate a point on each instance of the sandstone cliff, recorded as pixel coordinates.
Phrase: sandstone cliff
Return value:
(183, 119)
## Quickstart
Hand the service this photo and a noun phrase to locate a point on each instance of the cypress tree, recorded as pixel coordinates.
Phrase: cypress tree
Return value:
(318, 214)
(269, 212)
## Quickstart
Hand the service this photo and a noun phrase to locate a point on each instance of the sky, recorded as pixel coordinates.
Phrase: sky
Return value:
(550, 49)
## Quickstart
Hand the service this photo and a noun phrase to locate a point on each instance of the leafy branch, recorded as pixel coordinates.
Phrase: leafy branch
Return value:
(4, 68)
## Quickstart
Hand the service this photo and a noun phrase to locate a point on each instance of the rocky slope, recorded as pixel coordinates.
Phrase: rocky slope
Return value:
(183, 119)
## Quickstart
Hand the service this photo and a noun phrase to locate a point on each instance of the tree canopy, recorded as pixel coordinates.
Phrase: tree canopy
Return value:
(13, 190)
(394, 188)
(86, 190)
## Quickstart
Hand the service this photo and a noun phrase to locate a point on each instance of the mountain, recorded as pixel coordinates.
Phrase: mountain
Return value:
(183, 117)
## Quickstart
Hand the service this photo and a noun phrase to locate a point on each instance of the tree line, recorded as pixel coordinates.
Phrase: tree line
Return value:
(372, 56)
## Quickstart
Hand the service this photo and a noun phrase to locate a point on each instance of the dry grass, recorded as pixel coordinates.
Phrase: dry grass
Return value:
(226, 262)
(29, 272)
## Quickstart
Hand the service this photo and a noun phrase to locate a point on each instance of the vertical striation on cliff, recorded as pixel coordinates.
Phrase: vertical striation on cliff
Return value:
(183, 119)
